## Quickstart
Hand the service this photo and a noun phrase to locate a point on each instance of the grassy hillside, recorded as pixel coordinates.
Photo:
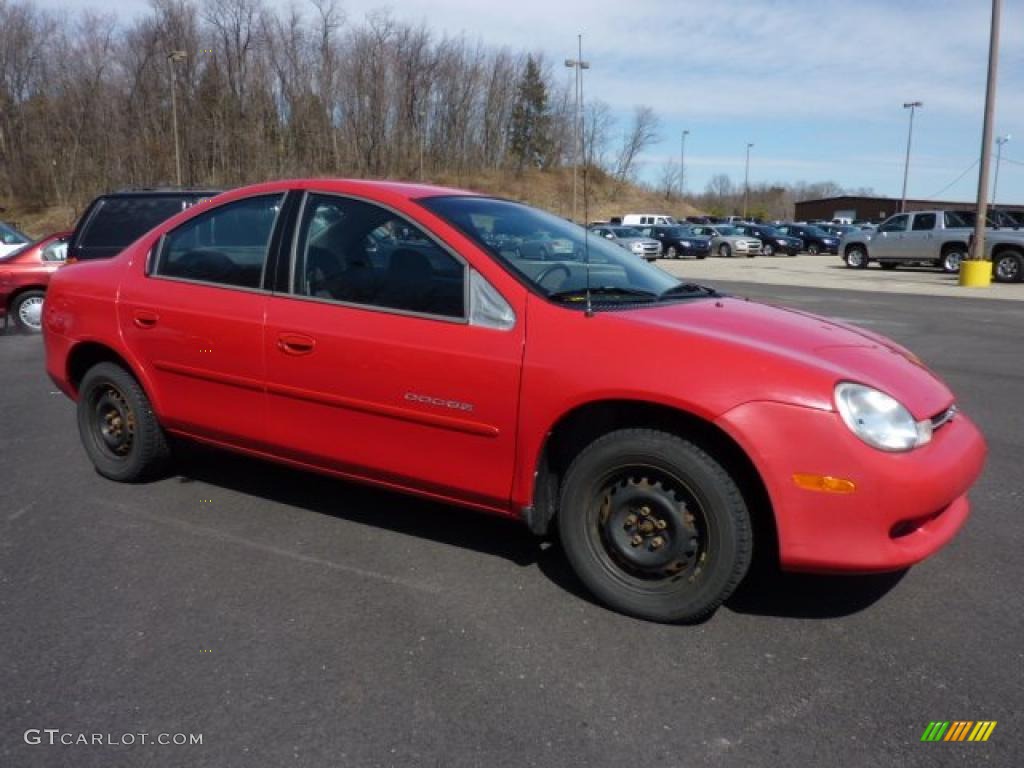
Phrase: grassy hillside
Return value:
(551, 190)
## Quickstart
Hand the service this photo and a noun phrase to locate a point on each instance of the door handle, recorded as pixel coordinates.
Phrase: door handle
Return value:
(295, 343)
(144, 319)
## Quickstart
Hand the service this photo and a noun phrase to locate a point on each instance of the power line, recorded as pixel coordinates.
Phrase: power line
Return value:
(954, 181)
(1009, 160)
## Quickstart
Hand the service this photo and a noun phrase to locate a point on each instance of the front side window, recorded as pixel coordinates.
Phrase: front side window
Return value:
(924, 222)
(895, 224)
(227, 245)
(358, 253)
(554, 256)
(55, 251)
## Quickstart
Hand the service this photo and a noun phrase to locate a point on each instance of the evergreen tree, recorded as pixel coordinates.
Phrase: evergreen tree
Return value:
(530, 127)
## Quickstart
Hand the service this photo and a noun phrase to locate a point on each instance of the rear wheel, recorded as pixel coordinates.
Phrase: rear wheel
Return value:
(814, 249)
(951, 258)
(768, 250)
(118, 427)
(1008, 267)
(27, 310)
(672, 253)
(654, 526)
(724, 251)
(856, 257)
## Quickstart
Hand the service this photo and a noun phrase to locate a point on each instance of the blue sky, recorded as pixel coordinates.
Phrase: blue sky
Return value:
(816, 85)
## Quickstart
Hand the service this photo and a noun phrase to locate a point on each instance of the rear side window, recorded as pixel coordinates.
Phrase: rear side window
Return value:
(225, 246)
(120, 221)
(923, 222)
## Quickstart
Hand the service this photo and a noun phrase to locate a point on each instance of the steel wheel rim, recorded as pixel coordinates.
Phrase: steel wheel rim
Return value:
(112, 422)
(855, 258)
(30, 312)
(953, 260)
(651, 528)
(1007, 268)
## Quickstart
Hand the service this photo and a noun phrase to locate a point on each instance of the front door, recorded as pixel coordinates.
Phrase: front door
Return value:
(375, 367)
(888, 240)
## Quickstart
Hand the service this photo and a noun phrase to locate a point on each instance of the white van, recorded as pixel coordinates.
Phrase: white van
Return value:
(646, 219)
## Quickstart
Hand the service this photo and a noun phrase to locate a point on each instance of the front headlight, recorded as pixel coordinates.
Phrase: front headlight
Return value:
(880, 420)
(781, 242)
(684, 243)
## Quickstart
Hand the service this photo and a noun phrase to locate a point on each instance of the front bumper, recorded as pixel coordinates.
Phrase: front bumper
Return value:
(905, 507)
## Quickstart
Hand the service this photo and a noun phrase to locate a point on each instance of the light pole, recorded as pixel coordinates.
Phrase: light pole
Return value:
(976, 272)
(579, 65)
(172, 57)
(423, 137)
(1000, 140)
(746, 183)
(911, 105)
(682, 164)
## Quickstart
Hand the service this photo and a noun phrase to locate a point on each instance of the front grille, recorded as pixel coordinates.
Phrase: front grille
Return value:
(942, 419)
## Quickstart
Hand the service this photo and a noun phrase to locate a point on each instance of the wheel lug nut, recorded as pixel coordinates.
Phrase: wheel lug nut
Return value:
(661, 525)
(657, 542)
(630, 521)
(645, 511)
(636, 541)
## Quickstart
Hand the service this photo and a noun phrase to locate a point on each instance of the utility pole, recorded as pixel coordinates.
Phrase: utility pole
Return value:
(579, 65)
(746, 183)
(976, 271)
(172, 57)
(1000, 140)
(911, 105)
(682, 164)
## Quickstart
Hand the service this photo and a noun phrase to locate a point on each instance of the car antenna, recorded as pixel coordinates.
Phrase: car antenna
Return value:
(581, 125)
(589, 311)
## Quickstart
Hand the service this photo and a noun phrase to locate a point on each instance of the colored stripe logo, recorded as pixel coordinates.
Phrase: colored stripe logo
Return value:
(958, 730)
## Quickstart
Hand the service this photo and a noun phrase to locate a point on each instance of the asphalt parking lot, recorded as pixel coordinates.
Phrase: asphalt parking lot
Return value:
(297, 620)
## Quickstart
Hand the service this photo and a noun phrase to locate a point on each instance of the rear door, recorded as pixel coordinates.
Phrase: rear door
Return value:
(195, 318)
(375, 366)
(919, 241)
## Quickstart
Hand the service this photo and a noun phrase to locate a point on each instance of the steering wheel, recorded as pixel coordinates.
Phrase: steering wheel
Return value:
(548, 271)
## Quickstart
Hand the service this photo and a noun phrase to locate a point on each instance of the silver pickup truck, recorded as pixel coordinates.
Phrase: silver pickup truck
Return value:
(933, 237)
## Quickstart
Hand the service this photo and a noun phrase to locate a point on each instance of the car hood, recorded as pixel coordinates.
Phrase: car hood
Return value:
(643, 240)
(779, 346)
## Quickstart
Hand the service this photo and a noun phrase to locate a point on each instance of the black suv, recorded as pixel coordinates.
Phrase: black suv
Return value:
(816, 240)
(114, 221)
(772, 240)
(678, 241)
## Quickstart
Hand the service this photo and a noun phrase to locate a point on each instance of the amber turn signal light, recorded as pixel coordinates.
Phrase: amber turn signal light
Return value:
(824, 483)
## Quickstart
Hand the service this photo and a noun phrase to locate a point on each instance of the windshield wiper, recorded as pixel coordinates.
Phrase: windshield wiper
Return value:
(579, 294)
(686, 289)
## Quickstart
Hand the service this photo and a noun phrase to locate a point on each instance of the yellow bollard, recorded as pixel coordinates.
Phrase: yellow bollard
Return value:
(975, 274)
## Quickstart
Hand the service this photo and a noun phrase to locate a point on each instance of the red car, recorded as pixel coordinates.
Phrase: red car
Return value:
(397, 334)
(24, 275)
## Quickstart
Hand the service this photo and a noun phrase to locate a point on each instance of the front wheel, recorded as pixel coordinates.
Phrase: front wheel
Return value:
(118, 427)
(27, 310)
(1008, 267)
(856, 257)
(768, 250)
(724, 251)
(813, 249)
(672, 253)
(654, 526)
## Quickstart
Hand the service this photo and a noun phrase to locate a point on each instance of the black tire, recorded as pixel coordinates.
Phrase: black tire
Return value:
(856, 257)
(27, 311)
(768, 249)
(672, 253)
(813, 249)
(725, 251)
(951, 257)
(118, 427)
(644, 484)
(1008, 267)
(887, 264)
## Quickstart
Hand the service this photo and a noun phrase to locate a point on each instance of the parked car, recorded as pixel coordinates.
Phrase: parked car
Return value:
(772, 241)
(678, 241)
(816, 240)
(24, 275)
(633, 240)
(939, 238)
(508, 385)
(115, 220)
(729, 241)
(838, 230)
(647, 219)
(11, 239)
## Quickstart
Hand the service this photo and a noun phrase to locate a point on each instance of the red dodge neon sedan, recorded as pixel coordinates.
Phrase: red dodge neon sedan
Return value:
(409, 336)
(24, 275)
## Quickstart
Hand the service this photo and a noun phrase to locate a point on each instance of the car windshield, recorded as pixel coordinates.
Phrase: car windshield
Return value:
(552, 254)
(627, 232)
(681, 232)
(816, 232)
(16, 252)
(728, 231)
